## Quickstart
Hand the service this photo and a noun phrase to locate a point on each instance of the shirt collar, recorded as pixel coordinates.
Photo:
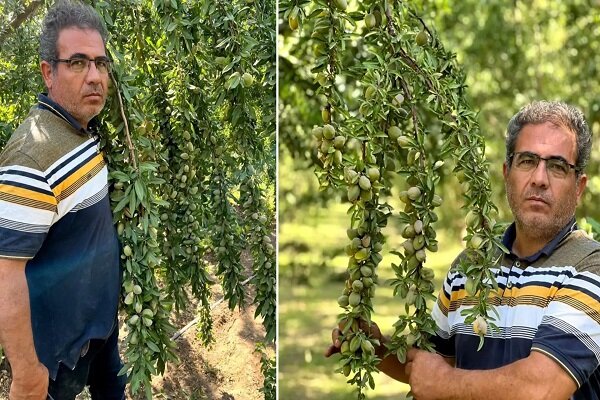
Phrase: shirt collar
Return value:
(511, 233)
(46, 103)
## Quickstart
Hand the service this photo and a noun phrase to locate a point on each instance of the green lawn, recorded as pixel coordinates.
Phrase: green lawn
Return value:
(311, 265)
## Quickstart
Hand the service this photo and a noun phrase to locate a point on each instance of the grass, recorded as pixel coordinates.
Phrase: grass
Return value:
(311, 265)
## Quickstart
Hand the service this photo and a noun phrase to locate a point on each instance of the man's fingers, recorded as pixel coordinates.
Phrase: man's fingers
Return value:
(408, 368)
(335, 340)
(411, 354)
(331, 350)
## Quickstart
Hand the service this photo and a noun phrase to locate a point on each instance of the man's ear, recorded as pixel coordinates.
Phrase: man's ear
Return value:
(46, 69)
(581, 184)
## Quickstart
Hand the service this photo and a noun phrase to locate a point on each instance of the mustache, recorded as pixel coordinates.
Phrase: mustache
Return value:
(538, 195)
(94, 90)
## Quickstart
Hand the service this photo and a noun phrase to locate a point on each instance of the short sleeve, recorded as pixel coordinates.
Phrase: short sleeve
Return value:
(570, 329)
(443, 340)
(27, 209)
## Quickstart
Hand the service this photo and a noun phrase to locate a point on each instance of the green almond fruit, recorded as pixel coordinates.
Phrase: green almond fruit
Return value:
(339, 141)
(403, 141)
(414, 193)
(368, 282)
(351, 233)
(345, 348)
(354, 299)
(370, 21)
(422, 38)
(137, 289)
(128, 299)
(408, 232)
(317, 132)
(436, 201)
(364, 183)
(343, 301)
(418, 226)
(338, 158)
(341, 4)
(127, 251)
(373, 174)
(147, 321)
(475, 242)
(328, 131)
(366, 195)
(346, 370)
(394, 132)
(370, 92)
(410, 339)
(357, 285)
(293, 22)
(134, 320)
(409, 249)
(247, 79)
(353, 193)
(148, 313)
(473, 219)
(418, 242)
(421, 255)
(427, 273)
(366, 271)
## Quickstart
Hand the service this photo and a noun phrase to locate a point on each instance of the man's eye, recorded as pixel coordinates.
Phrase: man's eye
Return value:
(557, 166)
(78, 63)
(526, 161)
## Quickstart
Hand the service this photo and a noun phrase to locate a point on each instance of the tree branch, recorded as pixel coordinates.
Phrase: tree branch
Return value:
(19, 19)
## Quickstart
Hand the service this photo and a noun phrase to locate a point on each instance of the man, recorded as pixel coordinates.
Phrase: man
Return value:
(548, 346)
(59, 253)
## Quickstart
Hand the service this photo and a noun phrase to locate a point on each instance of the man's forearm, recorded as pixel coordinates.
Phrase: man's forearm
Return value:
(15, 317)
(532, 378)
(390, 365)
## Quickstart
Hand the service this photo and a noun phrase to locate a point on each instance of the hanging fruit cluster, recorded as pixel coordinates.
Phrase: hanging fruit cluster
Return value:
(412, 116)
(175, 158)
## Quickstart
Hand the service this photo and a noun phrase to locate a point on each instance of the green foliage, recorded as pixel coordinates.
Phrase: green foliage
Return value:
(182, 142)
(267, 367)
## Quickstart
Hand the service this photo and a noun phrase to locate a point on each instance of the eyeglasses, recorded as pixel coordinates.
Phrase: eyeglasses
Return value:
(527, 161)
(79, 64)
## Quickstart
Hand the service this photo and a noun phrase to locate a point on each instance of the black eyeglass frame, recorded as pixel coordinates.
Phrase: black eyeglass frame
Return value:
(538, 157)
(68, 61)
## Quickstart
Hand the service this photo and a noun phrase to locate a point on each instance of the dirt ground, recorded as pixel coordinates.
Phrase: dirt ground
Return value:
(229, 370)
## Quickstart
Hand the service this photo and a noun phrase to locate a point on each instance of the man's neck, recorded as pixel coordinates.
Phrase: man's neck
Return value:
(526, 245)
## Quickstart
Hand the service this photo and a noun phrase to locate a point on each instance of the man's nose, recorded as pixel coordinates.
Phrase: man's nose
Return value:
(539, 176)
(93, 75)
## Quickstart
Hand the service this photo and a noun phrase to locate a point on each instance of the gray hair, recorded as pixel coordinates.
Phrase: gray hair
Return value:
(67, 14)
(559, 114)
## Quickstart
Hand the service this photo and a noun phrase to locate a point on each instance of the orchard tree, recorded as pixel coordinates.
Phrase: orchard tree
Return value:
(190, 147)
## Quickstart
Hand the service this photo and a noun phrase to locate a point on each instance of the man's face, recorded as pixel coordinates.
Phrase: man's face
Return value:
(541, 202)
(82, 94)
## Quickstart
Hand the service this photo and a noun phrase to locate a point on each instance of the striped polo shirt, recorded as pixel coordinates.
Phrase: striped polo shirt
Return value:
(548, 302)
(55, 213)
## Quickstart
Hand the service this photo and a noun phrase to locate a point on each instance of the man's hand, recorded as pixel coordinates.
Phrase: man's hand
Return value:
(30, 377)
(30, 385)
(425, 372)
